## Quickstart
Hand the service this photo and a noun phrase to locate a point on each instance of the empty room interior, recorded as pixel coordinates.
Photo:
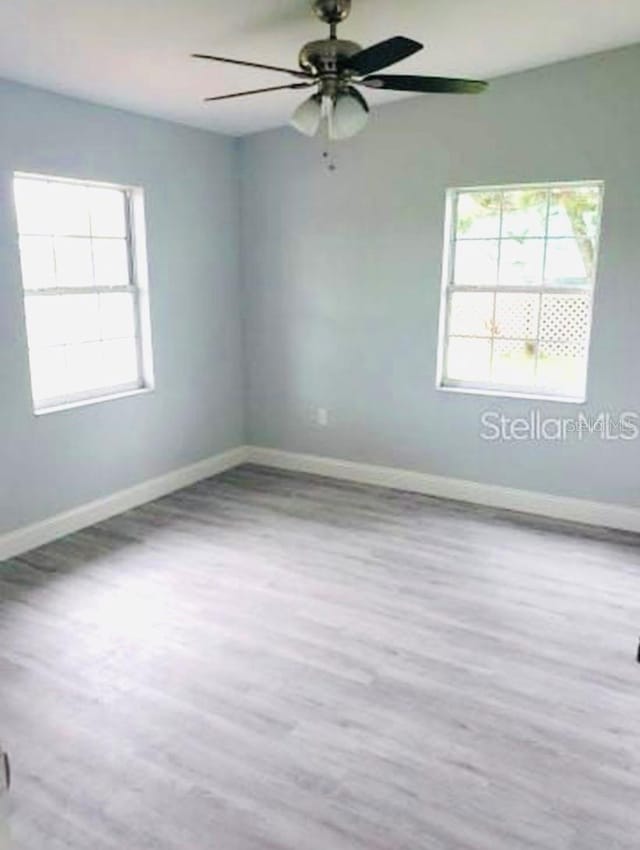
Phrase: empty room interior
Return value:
(320, 432)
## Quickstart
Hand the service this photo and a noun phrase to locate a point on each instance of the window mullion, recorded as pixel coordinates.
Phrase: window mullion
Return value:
(80, 290)
(492, 342)
(133, 281)
(541, 296)
(451, 265)
(525, 290)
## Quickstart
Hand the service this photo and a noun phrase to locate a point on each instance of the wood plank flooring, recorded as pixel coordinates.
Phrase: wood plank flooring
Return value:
(270, 661)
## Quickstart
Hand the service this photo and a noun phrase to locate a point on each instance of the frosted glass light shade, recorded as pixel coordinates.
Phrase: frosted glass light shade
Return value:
(350, 115)
(307, 117)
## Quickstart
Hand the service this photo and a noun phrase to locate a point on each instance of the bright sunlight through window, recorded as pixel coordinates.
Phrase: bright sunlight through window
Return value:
(520, 269)
(83, 267)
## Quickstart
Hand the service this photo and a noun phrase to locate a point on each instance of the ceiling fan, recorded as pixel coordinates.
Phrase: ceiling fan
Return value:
(334, 67)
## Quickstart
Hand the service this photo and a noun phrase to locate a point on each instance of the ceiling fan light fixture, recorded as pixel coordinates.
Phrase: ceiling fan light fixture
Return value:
(307, 117)
(350, 115)
(338, 67)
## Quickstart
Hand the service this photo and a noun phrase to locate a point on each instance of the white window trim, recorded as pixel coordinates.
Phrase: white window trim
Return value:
(495, 390)
(139, 289)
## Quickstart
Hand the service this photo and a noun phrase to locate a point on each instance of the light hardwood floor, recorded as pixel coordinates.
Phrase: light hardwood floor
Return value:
(268, 661)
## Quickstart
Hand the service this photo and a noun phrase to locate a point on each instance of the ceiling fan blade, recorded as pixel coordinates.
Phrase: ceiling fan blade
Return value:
(258, 91)
(381, 55)
(251, 64)
(437, 85)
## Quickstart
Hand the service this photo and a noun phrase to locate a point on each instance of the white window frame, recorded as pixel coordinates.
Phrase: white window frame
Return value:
(138, 289)
(448, 288)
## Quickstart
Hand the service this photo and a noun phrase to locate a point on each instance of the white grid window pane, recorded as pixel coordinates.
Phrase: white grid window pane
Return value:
(575, 210)
(74, 266)
(565, 317)
(120, 361)
(562, 365)
(80, 318)
(569, 262)
(117, 316)
(521, 271)
(521, 262)
(111, 262)
(81, 298)
(524, 213)
(514, 362)
(471, 314)
(44, 322)
(469, 359)
(48, 372)
(108, 213)
(516, 315)
(478, 215)
(34, 207)
(37, 262)
(70, 208)
(476, 262)
(85, 367)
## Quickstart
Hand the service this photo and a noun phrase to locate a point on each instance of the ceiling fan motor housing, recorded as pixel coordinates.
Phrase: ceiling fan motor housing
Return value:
(331, 11)
(322, 57)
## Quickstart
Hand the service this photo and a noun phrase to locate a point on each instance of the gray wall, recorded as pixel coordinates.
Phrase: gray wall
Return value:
(54, 462)
(342, 277)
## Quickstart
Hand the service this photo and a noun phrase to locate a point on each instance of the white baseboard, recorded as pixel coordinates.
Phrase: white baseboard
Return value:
(607, 515)
(602, 514)
(31, 536)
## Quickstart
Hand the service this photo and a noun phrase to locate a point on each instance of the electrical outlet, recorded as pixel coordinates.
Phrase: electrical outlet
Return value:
(322, 417)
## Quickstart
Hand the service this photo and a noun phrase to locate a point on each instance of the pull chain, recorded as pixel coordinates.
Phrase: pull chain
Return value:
(329, 161)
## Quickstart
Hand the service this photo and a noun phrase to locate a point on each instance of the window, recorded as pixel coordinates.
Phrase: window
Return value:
(520, 269)
(83, 276)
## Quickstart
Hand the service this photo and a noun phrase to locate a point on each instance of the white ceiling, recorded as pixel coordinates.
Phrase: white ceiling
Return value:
(134, 54)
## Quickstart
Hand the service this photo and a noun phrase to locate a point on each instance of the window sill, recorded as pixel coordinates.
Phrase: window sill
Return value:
(504, 393)
(72, 405)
